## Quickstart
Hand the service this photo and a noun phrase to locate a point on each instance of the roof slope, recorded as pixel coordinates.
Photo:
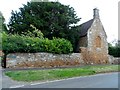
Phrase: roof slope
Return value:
(84, 27)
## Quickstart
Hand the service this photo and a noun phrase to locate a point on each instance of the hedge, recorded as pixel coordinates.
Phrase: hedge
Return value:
(25, 44)
(114, 51)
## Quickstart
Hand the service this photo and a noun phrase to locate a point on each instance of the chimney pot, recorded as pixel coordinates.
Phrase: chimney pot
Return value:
(95, 13)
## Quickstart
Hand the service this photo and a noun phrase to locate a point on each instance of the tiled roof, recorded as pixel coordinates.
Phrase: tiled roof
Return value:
(84, 27)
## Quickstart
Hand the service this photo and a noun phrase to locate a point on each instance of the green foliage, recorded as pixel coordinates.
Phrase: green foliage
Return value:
(114, 50)
(3, 28)
(58, 45)
(17, 43)
(0, 41)
(2, 23)
(36, 32)
(53, 19)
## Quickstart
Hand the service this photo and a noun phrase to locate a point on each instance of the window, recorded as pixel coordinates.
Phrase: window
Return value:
(98, 41)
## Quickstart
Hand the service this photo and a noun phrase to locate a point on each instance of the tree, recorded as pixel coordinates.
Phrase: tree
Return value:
(114, 50)
(52, 18)
(2, 23)
(3, 28)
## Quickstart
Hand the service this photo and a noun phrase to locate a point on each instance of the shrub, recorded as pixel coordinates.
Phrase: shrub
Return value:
(114, 51)
(58, 45)
(0, 41)
(25, 44)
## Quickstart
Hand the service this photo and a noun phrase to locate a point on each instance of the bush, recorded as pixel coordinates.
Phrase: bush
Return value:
(0, 41)
(25, 44)
(58, 45)
(114, 51)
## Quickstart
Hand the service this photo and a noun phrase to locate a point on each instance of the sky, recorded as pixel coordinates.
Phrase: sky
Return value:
(108, 11)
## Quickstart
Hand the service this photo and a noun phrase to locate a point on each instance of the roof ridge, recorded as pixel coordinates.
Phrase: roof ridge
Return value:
(86, 22)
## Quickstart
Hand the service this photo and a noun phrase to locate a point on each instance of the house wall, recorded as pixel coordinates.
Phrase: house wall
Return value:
(82, 43)
(95, 53)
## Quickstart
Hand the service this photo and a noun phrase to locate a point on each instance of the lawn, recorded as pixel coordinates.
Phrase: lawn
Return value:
(53, 74)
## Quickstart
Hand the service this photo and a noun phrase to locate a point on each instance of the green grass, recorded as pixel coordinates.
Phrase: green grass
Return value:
(53, 74)
(104, 68)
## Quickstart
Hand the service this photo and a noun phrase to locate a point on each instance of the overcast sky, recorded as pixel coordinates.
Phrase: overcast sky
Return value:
(108, 10)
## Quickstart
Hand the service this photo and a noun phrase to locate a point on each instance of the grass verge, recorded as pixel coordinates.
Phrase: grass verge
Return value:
(53, 74)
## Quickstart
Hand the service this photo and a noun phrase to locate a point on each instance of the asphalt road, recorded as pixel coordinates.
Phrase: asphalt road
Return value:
(108, 80)
(8, 82)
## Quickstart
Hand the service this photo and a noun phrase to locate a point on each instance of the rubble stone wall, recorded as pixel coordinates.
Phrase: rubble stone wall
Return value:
(47, 60)
(97, 48)
(114, 60)
(25, 60)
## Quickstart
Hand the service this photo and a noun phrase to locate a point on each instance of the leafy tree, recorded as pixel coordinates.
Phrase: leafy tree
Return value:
(53, 19)
(36, 33)
(2, 23)
(114, 50)
(3, 28)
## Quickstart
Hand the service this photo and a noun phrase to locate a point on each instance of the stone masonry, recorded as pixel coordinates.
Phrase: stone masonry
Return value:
(42, 60)
(93, 41)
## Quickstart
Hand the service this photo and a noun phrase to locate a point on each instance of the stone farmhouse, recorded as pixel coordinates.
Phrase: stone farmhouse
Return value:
(93, 40)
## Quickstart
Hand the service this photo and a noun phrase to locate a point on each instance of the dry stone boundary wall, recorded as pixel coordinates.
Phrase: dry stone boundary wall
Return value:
(26, 60)
(47, 60)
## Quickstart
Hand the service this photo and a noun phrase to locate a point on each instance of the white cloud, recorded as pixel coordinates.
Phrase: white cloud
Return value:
(84, 9)
(108, 10)
(6, 6)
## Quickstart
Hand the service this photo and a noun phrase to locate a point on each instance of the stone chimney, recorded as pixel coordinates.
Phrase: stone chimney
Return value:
(95, 13)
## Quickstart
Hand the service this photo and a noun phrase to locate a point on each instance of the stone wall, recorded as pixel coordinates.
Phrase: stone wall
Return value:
(23, 60)
(93, 57)
(82, 43)
(97, 49)
(114, 60)
(94, 46)
(47, 60)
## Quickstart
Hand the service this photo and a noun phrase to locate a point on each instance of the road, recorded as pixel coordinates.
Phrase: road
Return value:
(108, 80)
(8, 82)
